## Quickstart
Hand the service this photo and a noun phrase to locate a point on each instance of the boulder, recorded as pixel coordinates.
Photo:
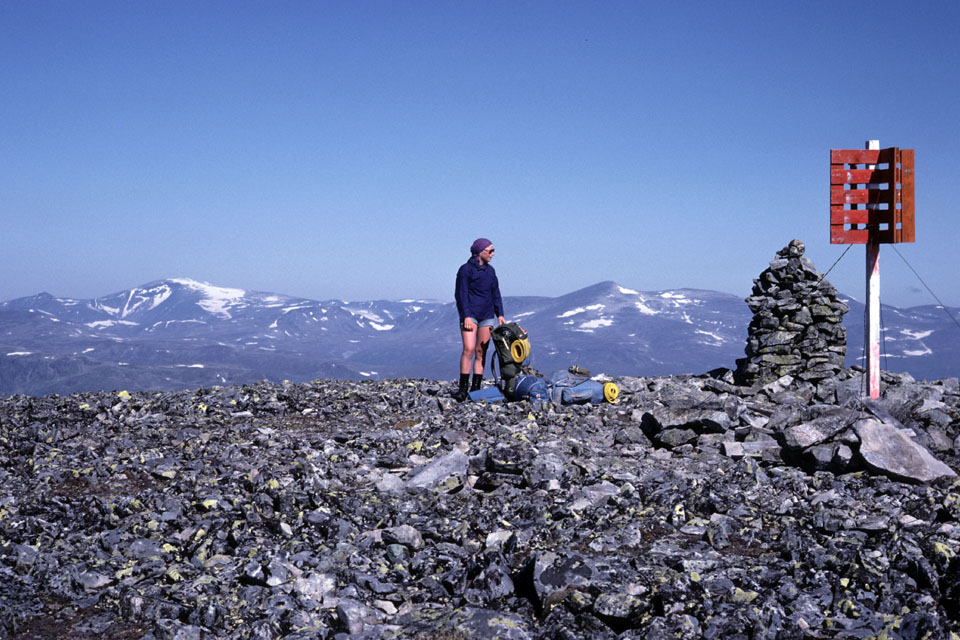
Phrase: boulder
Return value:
(887, 449)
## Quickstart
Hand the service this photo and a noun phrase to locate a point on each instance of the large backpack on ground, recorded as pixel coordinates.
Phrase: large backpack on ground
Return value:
(512, 347)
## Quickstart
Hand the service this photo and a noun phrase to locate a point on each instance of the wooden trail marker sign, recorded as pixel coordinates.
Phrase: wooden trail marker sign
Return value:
(871, 196)
(871, 203)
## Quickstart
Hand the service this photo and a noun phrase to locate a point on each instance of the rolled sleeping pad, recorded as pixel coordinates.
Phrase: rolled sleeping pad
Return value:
(610, 392)
(520, 350)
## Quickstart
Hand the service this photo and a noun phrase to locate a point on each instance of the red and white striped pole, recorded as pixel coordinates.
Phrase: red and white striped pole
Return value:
(872, 330)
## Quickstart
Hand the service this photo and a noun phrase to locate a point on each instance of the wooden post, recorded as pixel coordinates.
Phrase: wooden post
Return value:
(872, 329)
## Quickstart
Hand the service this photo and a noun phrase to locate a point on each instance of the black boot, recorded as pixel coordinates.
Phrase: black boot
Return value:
(477, 381)
(461, 394)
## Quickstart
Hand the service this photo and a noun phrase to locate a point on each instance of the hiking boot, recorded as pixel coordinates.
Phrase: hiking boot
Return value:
(461, 393)
(477, 382)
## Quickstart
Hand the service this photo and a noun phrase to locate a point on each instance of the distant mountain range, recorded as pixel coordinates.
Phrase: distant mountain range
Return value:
(180, 333)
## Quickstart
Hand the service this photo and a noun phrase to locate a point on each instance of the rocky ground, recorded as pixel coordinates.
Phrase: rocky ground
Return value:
(692, 508)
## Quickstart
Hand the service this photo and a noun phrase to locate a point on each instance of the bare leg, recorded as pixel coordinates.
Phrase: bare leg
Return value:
(483, 341)
(469, 348)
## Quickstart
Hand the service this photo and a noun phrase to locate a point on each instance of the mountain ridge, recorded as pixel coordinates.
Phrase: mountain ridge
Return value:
(179, 333)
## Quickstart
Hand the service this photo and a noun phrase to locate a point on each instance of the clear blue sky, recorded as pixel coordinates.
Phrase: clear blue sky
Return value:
(355, 149)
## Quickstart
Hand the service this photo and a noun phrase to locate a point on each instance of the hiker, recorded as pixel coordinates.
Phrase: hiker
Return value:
(480, 308)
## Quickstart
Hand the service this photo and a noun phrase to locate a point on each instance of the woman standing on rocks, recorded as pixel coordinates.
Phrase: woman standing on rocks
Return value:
(480, 307)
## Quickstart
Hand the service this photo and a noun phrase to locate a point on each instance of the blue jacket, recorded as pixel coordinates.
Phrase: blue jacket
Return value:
(478, 291)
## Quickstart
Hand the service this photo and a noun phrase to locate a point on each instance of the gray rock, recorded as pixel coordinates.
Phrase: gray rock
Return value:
(597, 494)
(621, 610)
(472, 622)
(92, 580)
(264, 515)
(315, 585)
(734, 449)
(549, 575)
(671, 438)
(826, 422)
(439, 471)
(354, 616)
(403, 534)
(889, 450)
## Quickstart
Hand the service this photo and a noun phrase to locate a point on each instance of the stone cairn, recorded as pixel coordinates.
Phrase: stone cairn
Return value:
(797, 325)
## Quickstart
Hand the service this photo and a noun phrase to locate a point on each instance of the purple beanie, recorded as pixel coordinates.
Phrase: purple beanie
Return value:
(479, 245)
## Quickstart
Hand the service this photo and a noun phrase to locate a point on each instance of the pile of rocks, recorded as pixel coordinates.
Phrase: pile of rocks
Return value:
(797, 325)
(358, 510)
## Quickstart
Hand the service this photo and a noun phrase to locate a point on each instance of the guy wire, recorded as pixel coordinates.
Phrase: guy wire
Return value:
(863, 358)
(883, 341)
(833, 265)
(863, 352)
(942, 306)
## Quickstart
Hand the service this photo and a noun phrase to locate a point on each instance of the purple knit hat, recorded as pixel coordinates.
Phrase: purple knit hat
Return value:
(479, 245)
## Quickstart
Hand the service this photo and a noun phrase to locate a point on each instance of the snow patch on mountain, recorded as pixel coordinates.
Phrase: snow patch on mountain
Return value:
(573, 312)
(715, 340)
(590, 325)
(676, 298)
(145, 299)
(103, 324)
(216, 300)
(363, 313)
(166, 323)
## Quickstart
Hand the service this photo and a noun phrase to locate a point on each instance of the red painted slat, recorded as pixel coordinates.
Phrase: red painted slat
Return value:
(860, 176)
(854, 156)
(840, 236)
(850, 216)
(839, 195)
(908, 233)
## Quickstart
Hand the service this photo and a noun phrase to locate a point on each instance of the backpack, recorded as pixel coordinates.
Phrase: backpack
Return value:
(512, 347)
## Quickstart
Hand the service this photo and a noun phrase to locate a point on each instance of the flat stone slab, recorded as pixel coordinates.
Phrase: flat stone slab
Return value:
(734, 449)
(439, 470)
(818, 430)
(889, 450)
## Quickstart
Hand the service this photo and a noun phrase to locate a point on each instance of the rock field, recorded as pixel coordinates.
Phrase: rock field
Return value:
(692, 508)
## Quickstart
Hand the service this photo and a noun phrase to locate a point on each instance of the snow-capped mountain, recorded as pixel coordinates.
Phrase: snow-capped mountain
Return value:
(181, 333)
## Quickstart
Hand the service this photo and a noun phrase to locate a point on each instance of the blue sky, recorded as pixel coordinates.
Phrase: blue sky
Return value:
(354, 150)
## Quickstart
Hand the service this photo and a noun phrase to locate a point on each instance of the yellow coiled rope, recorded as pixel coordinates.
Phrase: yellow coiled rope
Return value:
(610, 392)
(520, 350)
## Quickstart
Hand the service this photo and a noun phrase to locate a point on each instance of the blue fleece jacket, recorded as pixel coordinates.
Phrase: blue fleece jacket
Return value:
(478, 291)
